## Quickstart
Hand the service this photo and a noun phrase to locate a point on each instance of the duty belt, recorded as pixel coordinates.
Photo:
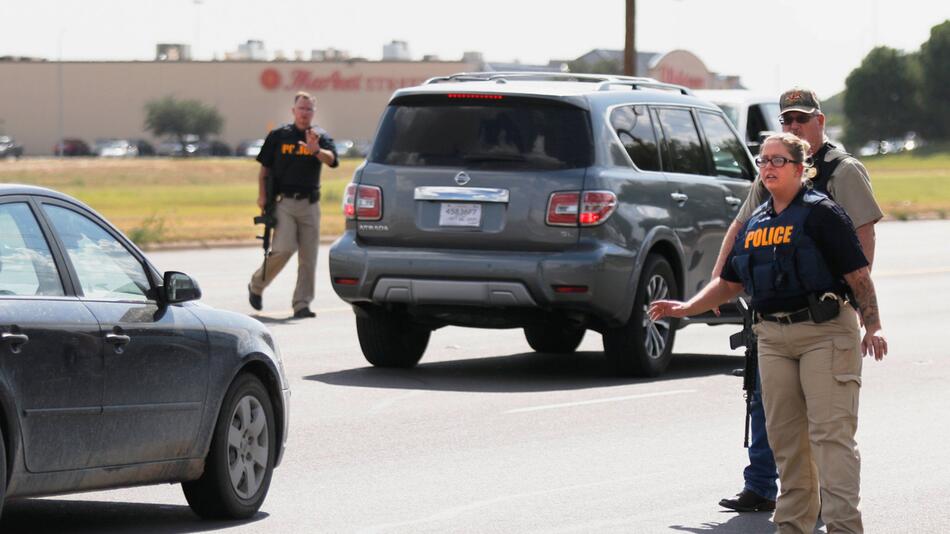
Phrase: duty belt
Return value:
(799, 316)
(296, 196)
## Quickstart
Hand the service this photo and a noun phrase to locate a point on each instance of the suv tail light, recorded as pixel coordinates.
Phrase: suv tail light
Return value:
(363, 202)
(580, 208)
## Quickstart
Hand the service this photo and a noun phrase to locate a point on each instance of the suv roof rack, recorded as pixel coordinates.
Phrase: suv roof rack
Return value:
(604, 81)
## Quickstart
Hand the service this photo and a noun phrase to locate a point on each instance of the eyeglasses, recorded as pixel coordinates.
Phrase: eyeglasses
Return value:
(776, 161)
(800, 118)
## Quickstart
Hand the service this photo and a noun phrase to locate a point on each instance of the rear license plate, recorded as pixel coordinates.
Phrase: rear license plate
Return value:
(460, 214)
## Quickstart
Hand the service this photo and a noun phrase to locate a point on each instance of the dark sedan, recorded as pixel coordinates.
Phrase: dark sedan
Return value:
(112, 374)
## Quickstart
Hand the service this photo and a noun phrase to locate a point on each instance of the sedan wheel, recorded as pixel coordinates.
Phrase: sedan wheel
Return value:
(248, 447)
(240, 462)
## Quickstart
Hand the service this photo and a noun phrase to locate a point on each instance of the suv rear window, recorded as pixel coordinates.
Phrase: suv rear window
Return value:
(503, 133)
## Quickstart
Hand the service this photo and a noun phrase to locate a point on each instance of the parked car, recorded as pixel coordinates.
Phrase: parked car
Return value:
(249, 148)
(116, 148)
(72, 146)
(551, 202)
(9, 148)
(113, 375)
(144, 147)
(193, 146)
(755, 116)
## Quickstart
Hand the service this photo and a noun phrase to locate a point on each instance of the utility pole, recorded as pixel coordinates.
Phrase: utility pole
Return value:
(630, 46)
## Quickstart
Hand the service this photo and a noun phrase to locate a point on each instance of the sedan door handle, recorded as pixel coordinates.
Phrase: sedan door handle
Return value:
(15, 341)
(118, 341)
(733, 201)
(680, 198)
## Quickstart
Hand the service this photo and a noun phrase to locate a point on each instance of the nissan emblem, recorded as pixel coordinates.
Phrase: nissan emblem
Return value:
(462, 178)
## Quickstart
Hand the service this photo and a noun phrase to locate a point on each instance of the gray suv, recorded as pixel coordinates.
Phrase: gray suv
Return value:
(555, 203)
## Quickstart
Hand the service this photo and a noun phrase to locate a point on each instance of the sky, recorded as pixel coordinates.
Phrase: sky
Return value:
(770, 44)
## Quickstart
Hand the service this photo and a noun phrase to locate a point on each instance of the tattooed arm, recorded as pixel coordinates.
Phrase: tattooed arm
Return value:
(863, 289)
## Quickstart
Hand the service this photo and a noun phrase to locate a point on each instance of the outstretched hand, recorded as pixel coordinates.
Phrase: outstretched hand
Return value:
(313, 141)
(667, 308)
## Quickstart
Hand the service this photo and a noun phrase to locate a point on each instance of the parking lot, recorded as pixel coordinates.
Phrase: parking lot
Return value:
(486, 436)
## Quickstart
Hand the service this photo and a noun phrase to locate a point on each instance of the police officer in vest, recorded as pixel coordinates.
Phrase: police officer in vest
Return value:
(292, 156)
(797, 257)
(846, 181)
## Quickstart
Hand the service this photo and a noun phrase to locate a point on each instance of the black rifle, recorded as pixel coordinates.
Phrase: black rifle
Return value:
(746, 338)
(268, 217)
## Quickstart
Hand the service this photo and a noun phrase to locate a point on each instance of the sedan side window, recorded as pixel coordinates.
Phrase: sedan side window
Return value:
(105, 268)
(728, 153)
(26, 264)
(685, 150)
(635, 130)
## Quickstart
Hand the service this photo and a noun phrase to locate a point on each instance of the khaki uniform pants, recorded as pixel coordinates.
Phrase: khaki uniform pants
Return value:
(811, 377)
(298, 228)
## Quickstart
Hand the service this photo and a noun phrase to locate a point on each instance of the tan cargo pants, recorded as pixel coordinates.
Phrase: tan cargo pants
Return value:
(298, 227)
(811, 378)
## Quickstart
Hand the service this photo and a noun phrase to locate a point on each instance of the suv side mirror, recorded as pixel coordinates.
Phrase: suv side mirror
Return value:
(179, 287)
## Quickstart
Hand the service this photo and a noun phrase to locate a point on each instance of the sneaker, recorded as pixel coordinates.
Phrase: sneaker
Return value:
(256, 301)
(303, 313)
(748, 501)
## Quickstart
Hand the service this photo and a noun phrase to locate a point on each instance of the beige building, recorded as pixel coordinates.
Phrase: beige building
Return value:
(107, 99)
(91, 100)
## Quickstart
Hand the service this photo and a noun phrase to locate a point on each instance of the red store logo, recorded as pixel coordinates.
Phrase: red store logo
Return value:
(270, 79)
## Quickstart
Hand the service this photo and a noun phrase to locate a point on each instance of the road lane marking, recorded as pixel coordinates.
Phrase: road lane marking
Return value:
(600, 401)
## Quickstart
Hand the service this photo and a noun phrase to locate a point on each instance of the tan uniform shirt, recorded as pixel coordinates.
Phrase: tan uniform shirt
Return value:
(849, 186)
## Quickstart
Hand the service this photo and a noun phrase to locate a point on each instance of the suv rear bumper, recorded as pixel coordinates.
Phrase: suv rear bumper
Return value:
(488, 278)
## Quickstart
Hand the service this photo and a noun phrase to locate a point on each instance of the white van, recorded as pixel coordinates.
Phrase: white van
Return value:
(754, 115)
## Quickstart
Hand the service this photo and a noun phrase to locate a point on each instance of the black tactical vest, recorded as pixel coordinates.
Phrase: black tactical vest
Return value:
(774, 257)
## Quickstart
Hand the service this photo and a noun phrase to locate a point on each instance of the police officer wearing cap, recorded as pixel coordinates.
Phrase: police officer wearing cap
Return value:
(292, 156)
(796, 257)
(846, 181)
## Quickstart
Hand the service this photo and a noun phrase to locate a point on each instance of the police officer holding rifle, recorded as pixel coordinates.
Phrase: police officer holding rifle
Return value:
(289, 194)
(797, 257)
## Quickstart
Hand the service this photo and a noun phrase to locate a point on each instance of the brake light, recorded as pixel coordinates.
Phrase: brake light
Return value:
(349, 201)
(475, 96)
(596, 206)
(580, 208)
(562, 208)
(363, 202)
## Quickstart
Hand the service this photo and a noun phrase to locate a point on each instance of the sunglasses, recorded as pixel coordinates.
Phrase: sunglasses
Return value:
(776, 161)
(789, 118)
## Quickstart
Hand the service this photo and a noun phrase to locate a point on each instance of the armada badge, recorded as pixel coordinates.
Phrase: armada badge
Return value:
(462, 178)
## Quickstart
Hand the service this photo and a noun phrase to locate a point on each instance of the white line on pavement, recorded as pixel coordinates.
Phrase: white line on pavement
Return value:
(600, 401)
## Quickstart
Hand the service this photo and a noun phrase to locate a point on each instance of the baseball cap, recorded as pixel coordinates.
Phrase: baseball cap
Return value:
(799, 99)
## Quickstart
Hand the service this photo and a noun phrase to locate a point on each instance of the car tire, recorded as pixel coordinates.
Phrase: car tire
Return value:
(389, 339)
(3, 472)
(643, 347)
(554, 338)
(240, 462)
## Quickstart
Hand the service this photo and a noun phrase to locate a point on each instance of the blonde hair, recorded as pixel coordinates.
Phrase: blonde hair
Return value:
(797, 147)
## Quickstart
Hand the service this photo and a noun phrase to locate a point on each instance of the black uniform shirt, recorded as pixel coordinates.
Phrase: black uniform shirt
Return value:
(831, 229)
(285, 154)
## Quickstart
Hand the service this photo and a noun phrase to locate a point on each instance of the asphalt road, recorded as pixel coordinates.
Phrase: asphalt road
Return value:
(486, 436)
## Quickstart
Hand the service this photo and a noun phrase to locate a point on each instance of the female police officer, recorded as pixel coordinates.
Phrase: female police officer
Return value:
(797, 257)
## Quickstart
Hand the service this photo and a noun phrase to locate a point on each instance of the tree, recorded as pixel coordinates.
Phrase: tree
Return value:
(880, 98)
(935, 79)
(168, 116)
